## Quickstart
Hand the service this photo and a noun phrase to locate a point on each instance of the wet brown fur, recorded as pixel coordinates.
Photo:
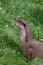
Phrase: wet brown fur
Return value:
(29, 47)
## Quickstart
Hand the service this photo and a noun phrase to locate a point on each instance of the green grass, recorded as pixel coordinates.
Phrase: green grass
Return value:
(28, 10)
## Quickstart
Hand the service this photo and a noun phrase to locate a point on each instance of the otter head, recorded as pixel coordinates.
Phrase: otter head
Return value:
(19, 24)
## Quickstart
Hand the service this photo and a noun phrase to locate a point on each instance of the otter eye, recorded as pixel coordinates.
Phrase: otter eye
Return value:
(24, 25)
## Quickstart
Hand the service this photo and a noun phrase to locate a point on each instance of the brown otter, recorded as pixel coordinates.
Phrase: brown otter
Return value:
(29, 47)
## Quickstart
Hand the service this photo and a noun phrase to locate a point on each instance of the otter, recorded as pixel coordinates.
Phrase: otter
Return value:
(29, 47)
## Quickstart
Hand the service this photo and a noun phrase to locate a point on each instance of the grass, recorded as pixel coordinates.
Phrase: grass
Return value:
(28, 10)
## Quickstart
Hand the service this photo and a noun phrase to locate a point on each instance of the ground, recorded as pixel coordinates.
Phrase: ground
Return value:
(32, 12)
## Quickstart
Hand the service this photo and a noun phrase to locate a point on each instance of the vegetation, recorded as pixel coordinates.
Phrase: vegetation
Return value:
(28, 10)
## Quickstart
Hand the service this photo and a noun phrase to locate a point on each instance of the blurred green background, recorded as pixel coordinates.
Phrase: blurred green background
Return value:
(32, 12)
